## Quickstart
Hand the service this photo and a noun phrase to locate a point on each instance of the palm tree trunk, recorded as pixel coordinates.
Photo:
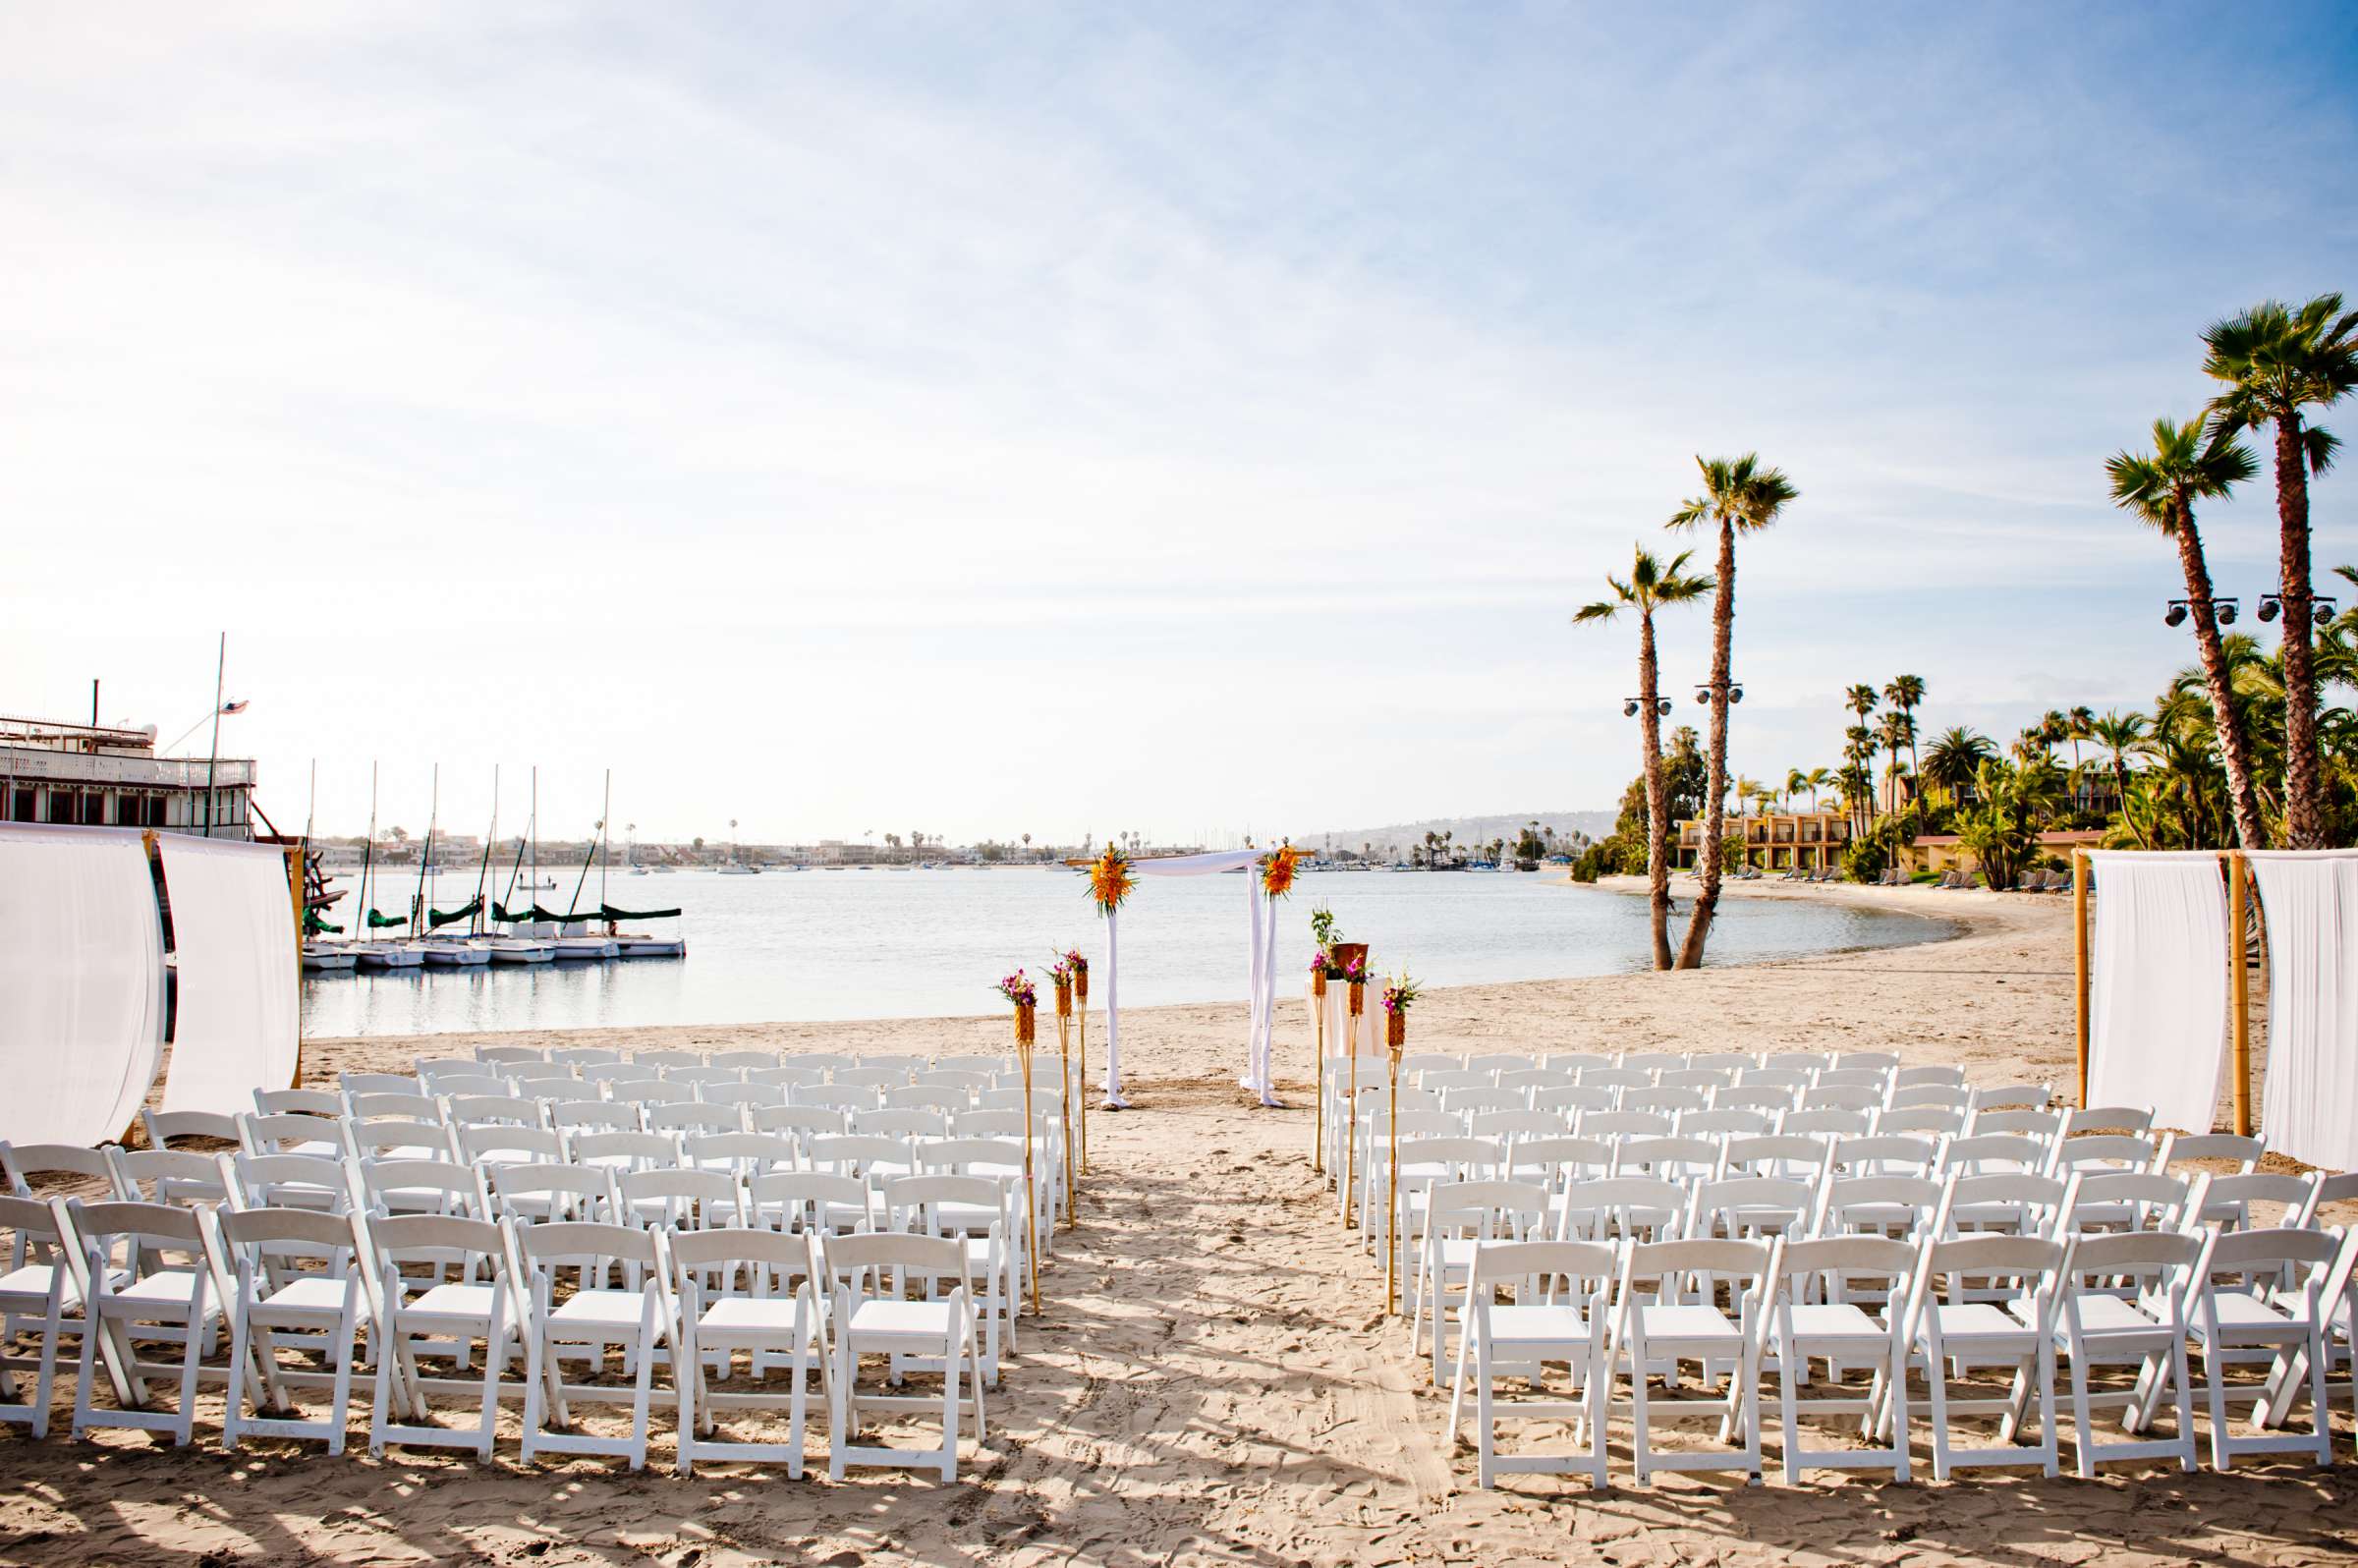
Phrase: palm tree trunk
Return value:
(1714, 820)
(1657, 807)
(2234, 750)
(2304, 784)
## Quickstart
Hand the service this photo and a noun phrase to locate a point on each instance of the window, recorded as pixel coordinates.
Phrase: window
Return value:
(155, 811)
(61, 806)
(94, 808)
(21, 807)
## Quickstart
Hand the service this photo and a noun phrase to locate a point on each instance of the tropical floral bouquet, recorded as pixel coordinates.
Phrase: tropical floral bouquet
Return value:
(1079, 964)
(1018, 989)
(1111, 879)
(1278, 874)
(1061, 974)
(1324, 932)
(1400, 992)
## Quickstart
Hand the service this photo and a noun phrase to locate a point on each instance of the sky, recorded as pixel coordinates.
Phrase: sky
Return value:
(1191, 420)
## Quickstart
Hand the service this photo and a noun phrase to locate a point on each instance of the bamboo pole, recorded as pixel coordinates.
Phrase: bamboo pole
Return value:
(2079, 961)
(1391, 1216)
(1064, 1061)
(1023, 1048)
(2240, 978)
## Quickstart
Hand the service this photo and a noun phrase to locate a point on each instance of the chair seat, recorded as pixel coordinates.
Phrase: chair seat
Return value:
(454, 1301)
(312, 1293)
(1687, 1324)
(2240, 1315)
(170, 1287)
(743, 1314)
(1827, 1322)
(599, 1309)
(1536, 1324)
(901, 1320)
(34, 1281)
(2112, 1316)
(1979, 1323)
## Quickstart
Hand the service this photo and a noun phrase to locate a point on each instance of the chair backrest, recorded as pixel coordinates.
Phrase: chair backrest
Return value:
(2264, 1257)
(262, 1234)
(2030, 1204)
(1985, 1152)
(1722, 1061)
(2090, 1152)
(288, 1181)
(2159, 1261)
(288, 1132)
(803, 1121)
(744, 1153)
(2157, 1200)
(786, 1075)
(409, 1106)
(499, 1144)
(2243, 1153)
(1786, 1155)
(594, 1247)
(1651, 1061)
(1671, 1100)
(695, 1116)
(370, 1140)
(1587, 1157)
(1562, 1099)
(1947, 1097)
(163, 1228)
(1624, 1205)
(1624, 1124)
(622, 1149)
(591, 1187)
(1515, 1123)
(510, 1053)
(593, 1115)
(910, 1123)
(852, 1098)
(436, 1238)
(1752, 1206)
(941, 1205)
(754, 1094)
(650, 1091)
(1499, 1062)
(1828, 1266)
(673, 1196)
(1884, 1061)
(1940, 1073)
(1575, 1061)
(1791, 1080)
(385, 1182)
(178, 1176)
(2108, 1118)
(1461, 1155)
(854, 1152)
(1836, 1124)
(1487, 1209)
(742, 1060)
(1673, 1158)
(22, 1163)
(1703, 1077)
(1772, 1097)
(2002, 1096)
(1805, 1063)
(164, 1126)
(805, 1199)
(987, 1124)
(925, 1258)
(487, 1109)
(1536, 1266)
(350, 1084)
(1939, 1121)
(1841, 1097)
(1728, 1122)
(876, 1077)
(614, 1069)
(660, 1059)
(1875, 1078)
(703, 1076)
(1615, 1078)
(472, 1084)
(2298, 1194)
(585, 1055)
(2032, 1260)
(1671, 1264)
(307, 1102)
(1879, 1205)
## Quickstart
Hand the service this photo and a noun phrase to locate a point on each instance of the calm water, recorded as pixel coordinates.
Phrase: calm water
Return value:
(917, 944)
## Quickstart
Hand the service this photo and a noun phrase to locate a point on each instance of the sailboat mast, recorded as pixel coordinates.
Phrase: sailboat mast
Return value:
(421, 909)
(368, 853)
(605, 841)
(483, 872)
(535, 832)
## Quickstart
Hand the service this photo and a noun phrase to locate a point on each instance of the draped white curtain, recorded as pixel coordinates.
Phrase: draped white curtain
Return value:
(2158, 985)
(2309, 1107)
(1188, 865)
(238, 1025)
(81, 982)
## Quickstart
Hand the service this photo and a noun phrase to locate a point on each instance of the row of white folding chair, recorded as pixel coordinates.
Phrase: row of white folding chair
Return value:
(702, 1083)
(2136, 1300)
(580, 1058)
(281, 1279)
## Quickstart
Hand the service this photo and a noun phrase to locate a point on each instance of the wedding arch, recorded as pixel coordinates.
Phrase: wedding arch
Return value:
(1271, 874)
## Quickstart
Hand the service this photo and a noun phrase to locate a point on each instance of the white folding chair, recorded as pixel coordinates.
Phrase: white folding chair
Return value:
(621, 1304)
(2124, 1303)
(297, 1288)
(1680, 1319)
(1819, 1312)
(164, 1126)
(41, 1296)
(1558, 1315)
(167, 1290)
(980, 1212)
(2261, 1295)
(443, 1320)
(1459, 1217)
(2013, 1326)
(871, 1276)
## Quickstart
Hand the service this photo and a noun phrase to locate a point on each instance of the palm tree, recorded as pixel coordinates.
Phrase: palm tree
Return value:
(1816, 779)
(2275, 362)
(1738, 496)
(1650, 586)
(2120, 734)
(2190, 461)
(1860, 699)
(1906, 693)
(1956, 757)
(1891, 734)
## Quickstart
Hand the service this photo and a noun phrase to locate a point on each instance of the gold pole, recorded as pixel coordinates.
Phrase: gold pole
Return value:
(1023, 1046)
(1351, 1122)
(2079, 960)
(1082, 990)
(2241, 978)
(1317, 1076)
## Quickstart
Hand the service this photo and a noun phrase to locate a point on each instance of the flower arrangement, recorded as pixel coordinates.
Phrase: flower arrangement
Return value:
(1399, 993)
(1111, 879)
(1061, 972)
(1355, 976)
(1018, 989)
(1078, 962)
(1277, 873)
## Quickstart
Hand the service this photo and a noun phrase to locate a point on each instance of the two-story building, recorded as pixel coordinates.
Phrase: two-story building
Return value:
(1776, 842)
(97, 776)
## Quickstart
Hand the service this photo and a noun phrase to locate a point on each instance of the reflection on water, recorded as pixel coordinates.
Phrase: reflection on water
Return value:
(916, 944)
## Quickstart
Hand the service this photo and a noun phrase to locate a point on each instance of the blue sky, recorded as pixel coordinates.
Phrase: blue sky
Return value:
(1045, 418)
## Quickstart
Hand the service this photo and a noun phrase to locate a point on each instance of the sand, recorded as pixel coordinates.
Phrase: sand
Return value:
(1211, 1379)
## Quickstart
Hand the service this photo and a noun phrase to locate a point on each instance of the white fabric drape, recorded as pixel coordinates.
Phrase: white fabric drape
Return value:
(2309, 1104)
(1268, 1005)
(1254, 982)
(239, 1025)
(2158, 987)
(81, 982)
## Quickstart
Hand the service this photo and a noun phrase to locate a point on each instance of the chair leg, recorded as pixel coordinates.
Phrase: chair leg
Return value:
(494, 1353)
(339, 1409)
(953, 1363)
(1642, 1439)
(2214, 1367)
(2083, 1425)
(233, 1405)
(798, 1410)
(687, 1377)
(1789, 1415)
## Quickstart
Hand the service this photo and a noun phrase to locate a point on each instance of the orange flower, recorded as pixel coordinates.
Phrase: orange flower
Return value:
(1278, 877)
(1110, 881)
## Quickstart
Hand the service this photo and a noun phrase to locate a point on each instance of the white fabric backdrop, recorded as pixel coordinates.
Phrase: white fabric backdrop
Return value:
(1165, 866)
(238, 1025)
(2157, 993)
(81, 982)
(2309, 1104)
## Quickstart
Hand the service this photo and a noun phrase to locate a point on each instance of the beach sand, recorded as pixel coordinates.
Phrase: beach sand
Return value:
(1211, 1379)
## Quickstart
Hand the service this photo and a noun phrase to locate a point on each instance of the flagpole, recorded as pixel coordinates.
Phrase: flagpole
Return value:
(211, 803)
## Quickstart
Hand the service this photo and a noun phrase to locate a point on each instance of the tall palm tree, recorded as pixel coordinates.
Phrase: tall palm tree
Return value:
(1906, 693)
(1860, 699)
(1955, 758)
(2120, 734)
(2191, 461)
(2275, 362)
(1892, 733)
(1816, 779)
(1739, 495)
(1649, 588)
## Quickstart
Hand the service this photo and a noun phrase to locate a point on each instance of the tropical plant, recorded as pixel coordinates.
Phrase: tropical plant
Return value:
(1906, 693)
(1955, 756)
(2192, 461)
(2001, 829)
(2275, 362)
(1739, 495)
(1816, 779)
(1650, 586)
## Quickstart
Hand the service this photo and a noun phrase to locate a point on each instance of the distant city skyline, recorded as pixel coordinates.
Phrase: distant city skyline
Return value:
(1055, 419)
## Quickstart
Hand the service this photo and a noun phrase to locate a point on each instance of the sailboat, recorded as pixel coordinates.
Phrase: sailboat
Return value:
(387, 953)
(443, 952)
(509, 948)
(634, 944)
